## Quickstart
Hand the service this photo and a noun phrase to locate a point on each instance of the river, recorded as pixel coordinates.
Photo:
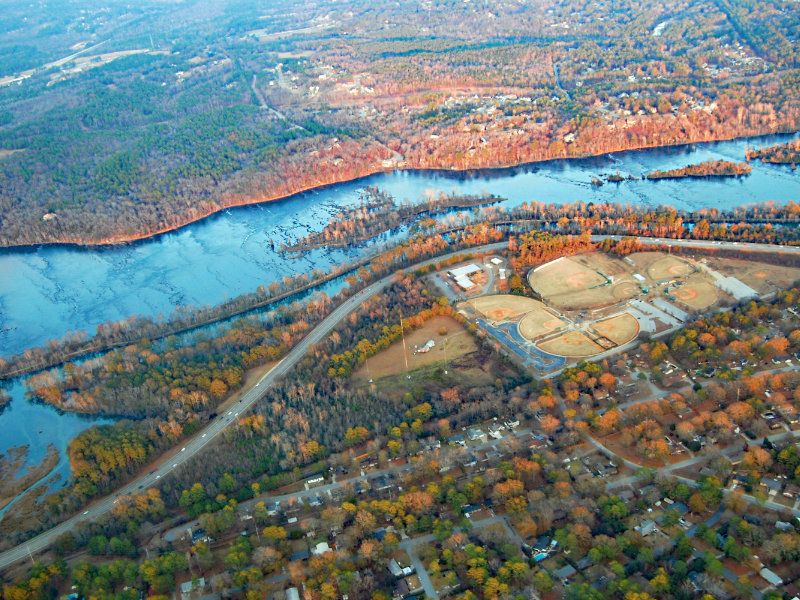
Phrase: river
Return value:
(47, 291)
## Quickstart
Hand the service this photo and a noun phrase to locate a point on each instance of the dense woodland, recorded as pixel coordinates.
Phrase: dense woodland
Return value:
(378, 213)
(216, 105)
(788, 153)
(536, 491)
(709, 168)
(753, 223)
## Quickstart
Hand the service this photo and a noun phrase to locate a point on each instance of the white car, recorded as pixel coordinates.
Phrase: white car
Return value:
(183, 449)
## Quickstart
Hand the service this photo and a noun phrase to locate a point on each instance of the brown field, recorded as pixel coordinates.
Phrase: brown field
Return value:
(574, 343)
(504, 306)
(566, 284)
(762, 277)
(660, 267)
(566, 276)
(391, 361)
(539, 322)
(620, 329)
(696, 293)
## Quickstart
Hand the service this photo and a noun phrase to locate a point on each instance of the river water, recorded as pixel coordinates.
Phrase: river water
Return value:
(47, 291)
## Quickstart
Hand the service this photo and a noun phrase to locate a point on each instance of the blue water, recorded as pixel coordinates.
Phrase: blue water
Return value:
(46, 292)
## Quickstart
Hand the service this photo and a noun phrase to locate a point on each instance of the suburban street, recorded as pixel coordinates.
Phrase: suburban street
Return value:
(179, 456)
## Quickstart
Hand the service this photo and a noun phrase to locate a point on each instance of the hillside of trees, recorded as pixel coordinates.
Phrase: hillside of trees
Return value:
(122, 122)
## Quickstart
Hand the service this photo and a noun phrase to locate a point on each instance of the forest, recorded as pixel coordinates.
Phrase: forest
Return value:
(752, 223)
(788, 153)
(119, 124)
(709, 168)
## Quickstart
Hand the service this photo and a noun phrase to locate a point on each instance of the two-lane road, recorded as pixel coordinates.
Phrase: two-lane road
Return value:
(175, 458)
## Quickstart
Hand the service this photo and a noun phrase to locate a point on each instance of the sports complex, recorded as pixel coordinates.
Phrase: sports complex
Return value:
(593, 303)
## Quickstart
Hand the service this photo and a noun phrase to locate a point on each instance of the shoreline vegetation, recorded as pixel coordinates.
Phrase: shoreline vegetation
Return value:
(780, 154)
(708, 168)
(378, 213)
(743, 224)
(285, 189)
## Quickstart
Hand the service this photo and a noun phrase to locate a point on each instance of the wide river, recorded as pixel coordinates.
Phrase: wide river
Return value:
(47, 291)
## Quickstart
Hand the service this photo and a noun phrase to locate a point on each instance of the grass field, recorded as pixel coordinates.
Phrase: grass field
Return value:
(504, 306)
(574, 343)
(539, 322)
(762, 277)
(566, 275)
(576, 283)
(696, 293)
(658, 266)
(620, 329)
(391, 361)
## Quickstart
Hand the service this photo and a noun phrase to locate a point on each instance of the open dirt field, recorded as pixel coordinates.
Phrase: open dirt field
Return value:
(574, 343)
(504, 306)
(696, 293)
(567, 275)
(389, 362)
(566, 284)
(539, 322)
(762, 277)
(620, 329)
(659, 266)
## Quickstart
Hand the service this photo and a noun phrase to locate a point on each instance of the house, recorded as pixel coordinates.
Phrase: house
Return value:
(771, 577)
(457, 440)
(401, 590)
(476, 435)
(646, 528)
(471, 508)
(426, 348)
(472, 461)
(200, 535)
(302, 555)
(398, 571)
(773, 485)
(626, 496)
(784, 526)
(542, 544)
(414, 584)
(187, 587)
(321, 548)
(564, 573)
(292, 594)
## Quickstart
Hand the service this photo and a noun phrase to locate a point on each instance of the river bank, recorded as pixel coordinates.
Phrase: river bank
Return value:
(234, 202)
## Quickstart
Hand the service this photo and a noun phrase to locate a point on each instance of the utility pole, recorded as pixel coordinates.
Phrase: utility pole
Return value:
(405, 352)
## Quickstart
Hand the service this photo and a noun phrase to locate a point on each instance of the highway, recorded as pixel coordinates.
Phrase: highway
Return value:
(178, 456)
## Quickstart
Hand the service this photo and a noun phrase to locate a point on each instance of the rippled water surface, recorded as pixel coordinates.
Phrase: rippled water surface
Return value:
(46, 292)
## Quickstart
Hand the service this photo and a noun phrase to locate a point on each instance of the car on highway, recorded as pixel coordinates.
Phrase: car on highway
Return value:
(183, 449)
(86, 512)
(174, 465)
(229, 412)
(204, 435)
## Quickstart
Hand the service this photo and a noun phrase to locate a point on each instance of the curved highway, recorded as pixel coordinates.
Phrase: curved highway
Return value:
(176, 457)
